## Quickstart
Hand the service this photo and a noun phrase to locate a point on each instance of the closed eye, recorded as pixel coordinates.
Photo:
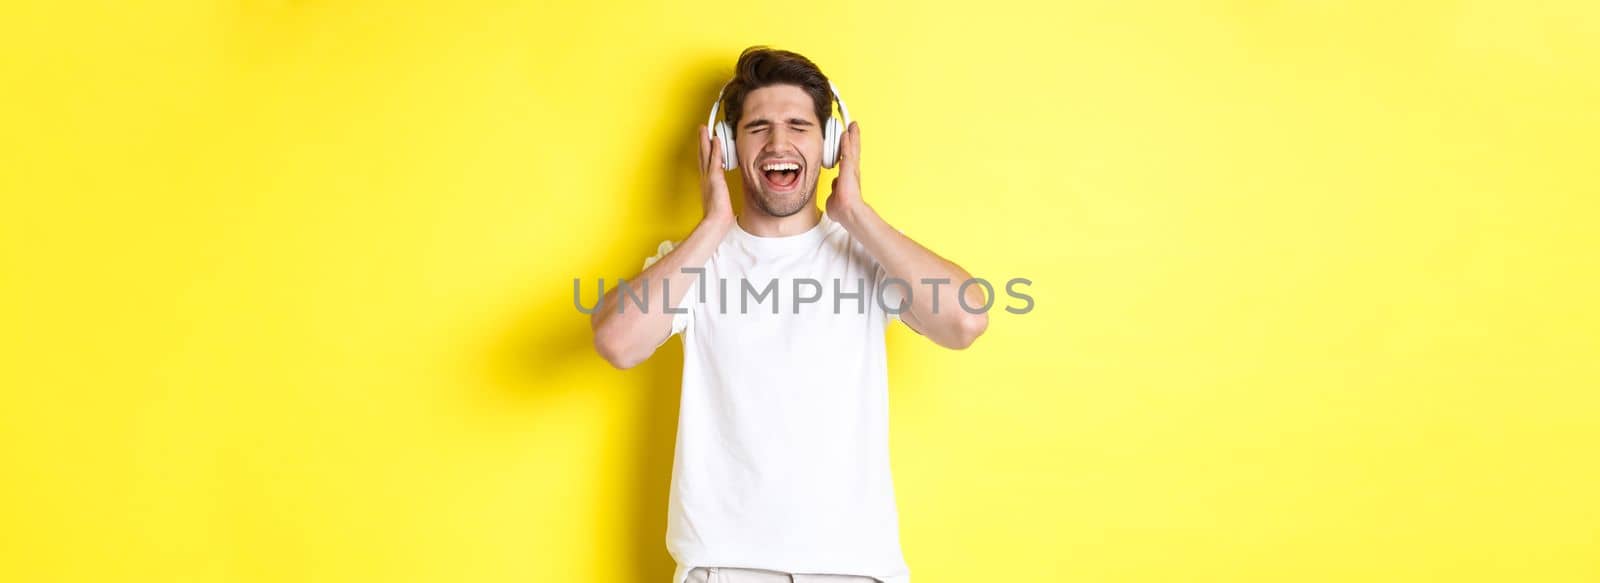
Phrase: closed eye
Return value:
(796, 128)
(796, 124)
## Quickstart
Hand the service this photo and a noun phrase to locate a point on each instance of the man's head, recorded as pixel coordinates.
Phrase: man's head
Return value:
(775, 105)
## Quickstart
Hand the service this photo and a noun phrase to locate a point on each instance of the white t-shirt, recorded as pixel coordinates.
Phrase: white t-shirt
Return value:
(782, 459)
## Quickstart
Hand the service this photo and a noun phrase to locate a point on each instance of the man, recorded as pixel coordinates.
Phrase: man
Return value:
(781, 471)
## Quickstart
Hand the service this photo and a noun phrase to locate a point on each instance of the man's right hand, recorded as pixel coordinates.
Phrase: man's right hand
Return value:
(713, 183)
(626, 336)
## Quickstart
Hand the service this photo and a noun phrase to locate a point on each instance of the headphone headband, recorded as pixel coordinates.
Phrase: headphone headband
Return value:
(843, 111)
(711, 122)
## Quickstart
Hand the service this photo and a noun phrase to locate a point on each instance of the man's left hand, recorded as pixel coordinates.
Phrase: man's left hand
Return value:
(845, 199)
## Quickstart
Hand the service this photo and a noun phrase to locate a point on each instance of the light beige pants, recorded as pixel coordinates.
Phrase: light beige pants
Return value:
(732, 575)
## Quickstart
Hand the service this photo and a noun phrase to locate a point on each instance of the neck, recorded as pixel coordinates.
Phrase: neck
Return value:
(761, 224)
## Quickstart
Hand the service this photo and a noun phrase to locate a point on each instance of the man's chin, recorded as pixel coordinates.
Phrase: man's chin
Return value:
(784, 204)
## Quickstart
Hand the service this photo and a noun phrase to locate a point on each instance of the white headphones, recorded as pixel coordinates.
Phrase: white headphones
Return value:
(831, 132)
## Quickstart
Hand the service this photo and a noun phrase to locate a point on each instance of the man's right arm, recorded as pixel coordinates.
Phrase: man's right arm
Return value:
(624, 335)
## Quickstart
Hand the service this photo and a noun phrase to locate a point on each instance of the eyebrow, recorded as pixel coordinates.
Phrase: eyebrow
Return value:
(764, 122)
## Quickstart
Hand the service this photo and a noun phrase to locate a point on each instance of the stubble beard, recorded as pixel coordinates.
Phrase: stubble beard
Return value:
(782, 205)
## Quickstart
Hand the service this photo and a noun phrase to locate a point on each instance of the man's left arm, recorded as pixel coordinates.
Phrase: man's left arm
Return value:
(935, 310)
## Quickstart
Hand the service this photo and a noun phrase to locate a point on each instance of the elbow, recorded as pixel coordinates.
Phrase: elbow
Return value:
(613, 352)
(968, 329)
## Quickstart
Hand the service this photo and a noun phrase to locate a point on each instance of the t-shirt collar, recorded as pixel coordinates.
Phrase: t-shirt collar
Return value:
(808, 239)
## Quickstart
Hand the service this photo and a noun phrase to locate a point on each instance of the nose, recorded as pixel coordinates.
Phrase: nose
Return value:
(779, 141)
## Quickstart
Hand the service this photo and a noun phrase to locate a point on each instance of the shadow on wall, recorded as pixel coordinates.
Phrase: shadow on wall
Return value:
(553, 340)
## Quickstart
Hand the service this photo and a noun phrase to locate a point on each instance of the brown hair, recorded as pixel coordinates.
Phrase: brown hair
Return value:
(760, 66)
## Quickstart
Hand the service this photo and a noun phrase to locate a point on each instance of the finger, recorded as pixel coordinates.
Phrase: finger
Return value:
(705, 147)
(855, 140)
(852, 148)
(719, 177)
(715, 163)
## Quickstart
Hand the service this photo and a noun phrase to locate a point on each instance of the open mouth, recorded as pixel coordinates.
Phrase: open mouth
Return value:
(781, 175)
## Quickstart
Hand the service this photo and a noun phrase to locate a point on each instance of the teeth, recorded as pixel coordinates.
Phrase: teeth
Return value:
(781, 166)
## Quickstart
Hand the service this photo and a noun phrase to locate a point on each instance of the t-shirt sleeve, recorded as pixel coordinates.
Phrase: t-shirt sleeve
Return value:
(892, 290)
(679, 321)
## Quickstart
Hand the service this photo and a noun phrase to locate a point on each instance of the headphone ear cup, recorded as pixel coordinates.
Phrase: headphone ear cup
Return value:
(830, 143)
(729, 160)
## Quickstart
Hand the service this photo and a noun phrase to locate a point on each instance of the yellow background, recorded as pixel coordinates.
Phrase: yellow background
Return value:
(287, 284)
